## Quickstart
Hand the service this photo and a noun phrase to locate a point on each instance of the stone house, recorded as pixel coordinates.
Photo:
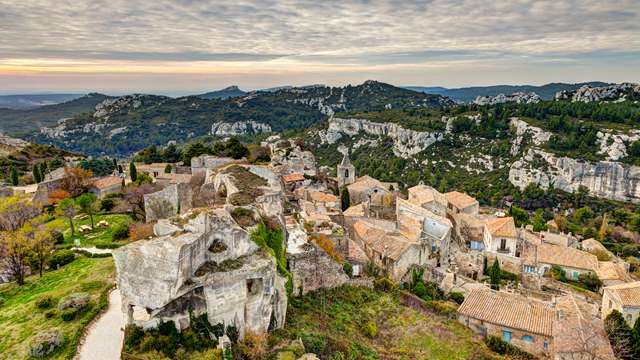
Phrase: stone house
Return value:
(375, 192)
(313, 269)
(470, 228)
(515, 319)
(622, 297)
(293, 181)
(388, 249)
(421, 225)
(501, 236)
(560, 239)
(461, 203)
(574, 262)
(201, 164)
(429, 198)
(105, 185)
(612, 272)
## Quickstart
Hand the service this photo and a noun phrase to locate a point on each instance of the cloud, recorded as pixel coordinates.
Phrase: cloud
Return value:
(360, 36)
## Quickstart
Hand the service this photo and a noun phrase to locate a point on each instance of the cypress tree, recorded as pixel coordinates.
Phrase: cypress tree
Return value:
(14, 176)
(133, 172)
(344, 198)
(37, 176)
(495, 274)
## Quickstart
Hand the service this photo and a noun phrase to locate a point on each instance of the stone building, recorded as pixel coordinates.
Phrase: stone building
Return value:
(170, 201)
(461, 203)
(623, 297)
(574, 262)
(421, 225)
(346, 171)
(313, 269)
(202, 262)
(501, 236)
(104, 186)
(515, 319)
(429, 198)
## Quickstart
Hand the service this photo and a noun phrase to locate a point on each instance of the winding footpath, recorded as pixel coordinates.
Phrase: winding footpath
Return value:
(104, 337)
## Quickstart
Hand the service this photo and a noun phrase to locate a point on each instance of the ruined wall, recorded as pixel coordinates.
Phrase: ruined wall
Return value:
(168, 202)
(313, 270)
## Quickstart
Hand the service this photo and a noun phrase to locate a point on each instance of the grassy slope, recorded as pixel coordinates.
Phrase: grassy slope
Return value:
(403, 332)
(20, 319)
(99, 236)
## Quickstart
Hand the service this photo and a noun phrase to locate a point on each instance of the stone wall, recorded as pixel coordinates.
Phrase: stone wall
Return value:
(313, 269)
(168, 202)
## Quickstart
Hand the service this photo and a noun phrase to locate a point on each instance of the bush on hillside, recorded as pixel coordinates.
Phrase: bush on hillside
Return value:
(120, 232)
(61, 258)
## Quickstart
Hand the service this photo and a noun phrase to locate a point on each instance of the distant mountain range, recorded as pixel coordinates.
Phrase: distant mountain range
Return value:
(30, 101)
(468, 94)
(19, 122)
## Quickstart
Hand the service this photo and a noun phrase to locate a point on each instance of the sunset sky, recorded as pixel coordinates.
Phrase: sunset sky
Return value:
(178, 47)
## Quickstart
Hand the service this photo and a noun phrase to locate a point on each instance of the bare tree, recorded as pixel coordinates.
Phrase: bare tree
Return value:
(15, 212)
(134, 196)
(15, 250)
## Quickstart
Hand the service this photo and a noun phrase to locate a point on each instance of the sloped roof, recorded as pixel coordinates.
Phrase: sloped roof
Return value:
(319, 196)
(106, 182)
(509, 310)
(345, 161)
(628, 294)
(366, 182)
(292, 178)
(422, 194)
(608, 270)
(392, 245)
(504, 227)
(566, 256)
(355, 210)
(460, 200)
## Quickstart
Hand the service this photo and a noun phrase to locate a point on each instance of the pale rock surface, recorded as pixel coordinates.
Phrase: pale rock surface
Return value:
(239, 128)
(517, 97)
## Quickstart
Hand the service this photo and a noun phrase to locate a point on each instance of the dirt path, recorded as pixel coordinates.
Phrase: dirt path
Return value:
(104, 337)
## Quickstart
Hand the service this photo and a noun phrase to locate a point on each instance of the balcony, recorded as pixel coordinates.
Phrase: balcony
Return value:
(503, 250)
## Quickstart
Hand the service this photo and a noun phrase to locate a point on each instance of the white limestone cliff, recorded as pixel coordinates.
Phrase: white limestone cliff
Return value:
(239, 128)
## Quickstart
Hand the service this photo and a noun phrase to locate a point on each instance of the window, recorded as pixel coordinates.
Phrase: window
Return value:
(506, 335)
(629, 318)
(610, 303)
(346, 173)
(527, 338)
(503, 243)
(477, 245)
(576, 275)
(529, 269)
(546, 344)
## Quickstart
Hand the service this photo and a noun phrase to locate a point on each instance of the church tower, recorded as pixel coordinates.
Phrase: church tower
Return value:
(346, 171)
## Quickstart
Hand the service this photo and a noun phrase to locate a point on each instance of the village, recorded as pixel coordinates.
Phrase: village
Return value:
(545, 292)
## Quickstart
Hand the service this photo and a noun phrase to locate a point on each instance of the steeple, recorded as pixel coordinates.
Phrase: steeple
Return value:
(346, 171)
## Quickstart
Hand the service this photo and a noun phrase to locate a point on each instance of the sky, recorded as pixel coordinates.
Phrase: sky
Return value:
(189, 46)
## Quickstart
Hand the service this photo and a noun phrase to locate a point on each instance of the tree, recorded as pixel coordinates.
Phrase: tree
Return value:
(538, 221)
(520, 216)
(133, 172)
(134, 197)
(88, 205)
(167, 169)
(67, 208)
(37, 176)
(495, 274)
(75, 180)
(344, 198)
(58, 195)
(14, 249)
(14, 176)
(620, 335)
(602, 233)
(40, 243)
(15, 211)
(635, 335)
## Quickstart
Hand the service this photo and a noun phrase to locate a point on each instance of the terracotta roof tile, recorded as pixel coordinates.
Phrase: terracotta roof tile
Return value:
(509, 310)
(629, 293)
(504, 227)
(566, 256)
(107, 181)
(460, 200)
(292, 178)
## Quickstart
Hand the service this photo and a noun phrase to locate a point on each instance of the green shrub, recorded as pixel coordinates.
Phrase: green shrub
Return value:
(161, 343)
(132, 337)
(69, 314)
(503, 348)
(1, 301)
(384, 284)
(458, 297)
(120, 232)
(233, 333)
(44, 302)
(370, 329)
(348, 269)
(444, 308)
(314, 343)
(50, 314)
(107, 204)
(57, 237)
(590, 281)
(61, 258)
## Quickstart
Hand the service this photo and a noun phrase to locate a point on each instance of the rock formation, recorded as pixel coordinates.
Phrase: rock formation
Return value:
(611, 180)
(587, 93)
(206, 263)
(517, 97)
(239, 128)
(406, 142)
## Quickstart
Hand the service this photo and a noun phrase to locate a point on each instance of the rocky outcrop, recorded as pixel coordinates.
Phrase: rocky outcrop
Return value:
(521, 129)
(611, 180)
(170, 201)
(406, 142)
(9, 144)
(239, 128)
(614, 146)
(116, 104)
(208, 264)
(587, 93)
(313, 269)
(517, 97)
(288, 158)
